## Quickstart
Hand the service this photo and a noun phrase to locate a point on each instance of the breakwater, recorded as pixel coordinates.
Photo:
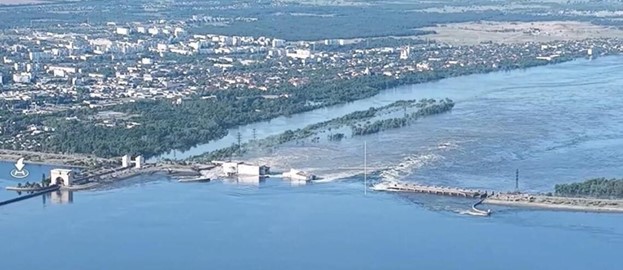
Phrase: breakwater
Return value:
(32, 195)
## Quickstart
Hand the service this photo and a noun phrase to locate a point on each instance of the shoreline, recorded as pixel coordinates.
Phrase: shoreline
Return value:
(41, 163)
(49, 159)
(183, 153)
(561, 203)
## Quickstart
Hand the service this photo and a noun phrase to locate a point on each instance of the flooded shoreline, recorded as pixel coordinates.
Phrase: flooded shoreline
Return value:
(456, 88)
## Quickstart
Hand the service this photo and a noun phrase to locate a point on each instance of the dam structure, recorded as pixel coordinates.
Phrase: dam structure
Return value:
(437, 190)
(394, 186)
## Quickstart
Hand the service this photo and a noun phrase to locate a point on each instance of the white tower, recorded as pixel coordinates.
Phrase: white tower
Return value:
(404, 53)
(139, 161)
(62, 177)
(125, 161)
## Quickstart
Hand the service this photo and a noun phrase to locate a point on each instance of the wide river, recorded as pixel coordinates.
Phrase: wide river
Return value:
(556, 124)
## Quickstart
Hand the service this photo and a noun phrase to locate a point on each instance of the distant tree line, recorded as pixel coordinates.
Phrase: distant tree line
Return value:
(598, 188)
(425, 109)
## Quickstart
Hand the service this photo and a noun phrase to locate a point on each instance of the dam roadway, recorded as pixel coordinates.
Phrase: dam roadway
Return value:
(437, 190)
(514, 199)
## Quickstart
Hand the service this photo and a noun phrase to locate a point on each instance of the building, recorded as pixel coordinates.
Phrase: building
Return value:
(278, 43)
(61, 71)
(405, 53)
(126, 161)
(299, 54)
(23, 77)
(298, 175)
(240, 168)
(63, 177)
(248, 169)
(139, 162)
(153, 31)
(229, 168)
(123, 31)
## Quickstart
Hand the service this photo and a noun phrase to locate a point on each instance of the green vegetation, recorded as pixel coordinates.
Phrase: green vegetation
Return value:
(336, 137)
(295, 21)
(597, 188)
(164, 126)
(427, 107)
(424, 107)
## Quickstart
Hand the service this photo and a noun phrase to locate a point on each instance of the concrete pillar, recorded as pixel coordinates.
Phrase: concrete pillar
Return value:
(125, 161)
(63, 177)
(139, 161)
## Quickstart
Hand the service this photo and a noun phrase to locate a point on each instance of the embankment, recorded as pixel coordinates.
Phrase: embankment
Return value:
(556, 203)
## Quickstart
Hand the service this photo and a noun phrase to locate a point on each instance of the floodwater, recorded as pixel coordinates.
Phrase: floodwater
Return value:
(555, 124)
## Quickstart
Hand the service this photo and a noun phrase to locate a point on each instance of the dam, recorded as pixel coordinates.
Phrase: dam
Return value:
(438, 190)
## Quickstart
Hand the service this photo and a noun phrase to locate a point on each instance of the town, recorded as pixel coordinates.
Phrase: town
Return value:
(96, 68)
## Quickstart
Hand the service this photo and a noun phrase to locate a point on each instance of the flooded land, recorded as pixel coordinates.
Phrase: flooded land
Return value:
(556, 124)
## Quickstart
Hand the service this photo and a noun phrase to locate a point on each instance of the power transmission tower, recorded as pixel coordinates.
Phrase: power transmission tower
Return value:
(254, 134)
(365, 167)
(239, 138)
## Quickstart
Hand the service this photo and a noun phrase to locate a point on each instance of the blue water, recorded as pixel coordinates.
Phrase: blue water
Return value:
(558, 124)
(165, 225)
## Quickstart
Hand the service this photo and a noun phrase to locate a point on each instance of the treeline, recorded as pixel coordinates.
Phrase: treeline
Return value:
(347, 21)
(370, 43)
(379, 125)
(165, 126)
(425, 109)
(597, 188)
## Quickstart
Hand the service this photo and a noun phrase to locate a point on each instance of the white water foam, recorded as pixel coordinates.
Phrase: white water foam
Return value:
(408, 165)
(411, 163)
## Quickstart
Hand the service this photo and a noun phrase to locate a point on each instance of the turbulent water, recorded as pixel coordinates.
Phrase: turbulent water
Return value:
(556, 124)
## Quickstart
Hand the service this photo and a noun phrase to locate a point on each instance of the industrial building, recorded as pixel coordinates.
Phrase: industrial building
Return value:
(299, 175)
(126, 161)
(241, 168)
(63, 177)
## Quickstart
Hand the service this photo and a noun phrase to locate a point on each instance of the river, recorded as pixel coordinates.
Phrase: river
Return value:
(559, 123)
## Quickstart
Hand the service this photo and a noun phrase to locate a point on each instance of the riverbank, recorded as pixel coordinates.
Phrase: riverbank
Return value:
(163, 132)
(557, 203)
(52, 159)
